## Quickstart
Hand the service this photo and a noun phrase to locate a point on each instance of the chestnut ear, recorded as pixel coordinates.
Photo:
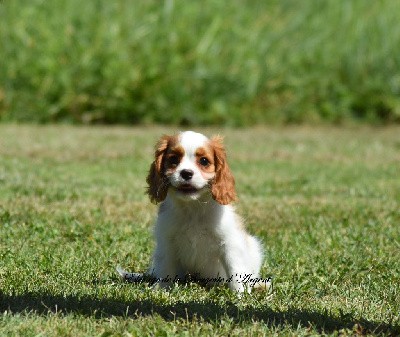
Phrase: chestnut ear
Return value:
(223, 186)
(157, 182)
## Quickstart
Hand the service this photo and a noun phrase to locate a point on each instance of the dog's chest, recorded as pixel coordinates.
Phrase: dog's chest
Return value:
(197, 244)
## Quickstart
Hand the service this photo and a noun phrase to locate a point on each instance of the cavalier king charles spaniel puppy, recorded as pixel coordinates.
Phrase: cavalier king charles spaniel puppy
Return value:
(197, 230)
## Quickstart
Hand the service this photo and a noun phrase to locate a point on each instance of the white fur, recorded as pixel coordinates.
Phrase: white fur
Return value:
(195, 234)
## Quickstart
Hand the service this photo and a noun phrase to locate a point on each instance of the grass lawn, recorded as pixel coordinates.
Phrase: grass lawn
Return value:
(324, 201)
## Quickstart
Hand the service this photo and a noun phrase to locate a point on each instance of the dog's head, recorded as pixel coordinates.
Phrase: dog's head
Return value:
(190, 166)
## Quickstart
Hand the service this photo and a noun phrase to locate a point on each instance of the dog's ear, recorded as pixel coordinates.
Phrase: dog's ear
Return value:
(223, 185)
(156, 180)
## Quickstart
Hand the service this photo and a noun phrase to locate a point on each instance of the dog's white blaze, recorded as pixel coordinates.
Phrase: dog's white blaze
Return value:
(191, 141)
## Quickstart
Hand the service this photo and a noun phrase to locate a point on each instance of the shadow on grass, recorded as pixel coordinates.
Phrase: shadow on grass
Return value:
(209, 311)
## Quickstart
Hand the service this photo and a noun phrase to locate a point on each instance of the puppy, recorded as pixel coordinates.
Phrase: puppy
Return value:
(197, 230)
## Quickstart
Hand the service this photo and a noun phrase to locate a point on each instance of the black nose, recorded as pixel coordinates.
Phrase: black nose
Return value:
(187, 174)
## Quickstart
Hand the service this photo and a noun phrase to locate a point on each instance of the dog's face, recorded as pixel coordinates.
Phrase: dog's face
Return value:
(190, 166)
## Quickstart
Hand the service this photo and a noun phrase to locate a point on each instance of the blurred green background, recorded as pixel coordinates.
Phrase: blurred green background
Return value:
(200, 62)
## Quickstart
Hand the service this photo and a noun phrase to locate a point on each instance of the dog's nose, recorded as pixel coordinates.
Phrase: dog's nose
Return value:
(187, 174)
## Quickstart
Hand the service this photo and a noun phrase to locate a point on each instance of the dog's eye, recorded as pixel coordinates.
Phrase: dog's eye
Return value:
(173, 160)
(204, 161)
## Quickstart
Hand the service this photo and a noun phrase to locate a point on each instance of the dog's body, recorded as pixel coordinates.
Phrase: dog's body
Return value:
(197, 231)
(204, 239)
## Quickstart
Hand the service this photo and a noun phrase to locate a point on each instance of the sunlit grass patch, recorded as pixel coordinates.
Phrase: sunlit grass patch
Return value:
(324, 202)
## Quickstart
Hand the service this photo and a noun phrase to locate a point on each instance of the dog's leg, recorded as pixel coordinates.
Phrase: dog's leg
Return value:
(233, 275)
(165, 269)
(241, 260)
